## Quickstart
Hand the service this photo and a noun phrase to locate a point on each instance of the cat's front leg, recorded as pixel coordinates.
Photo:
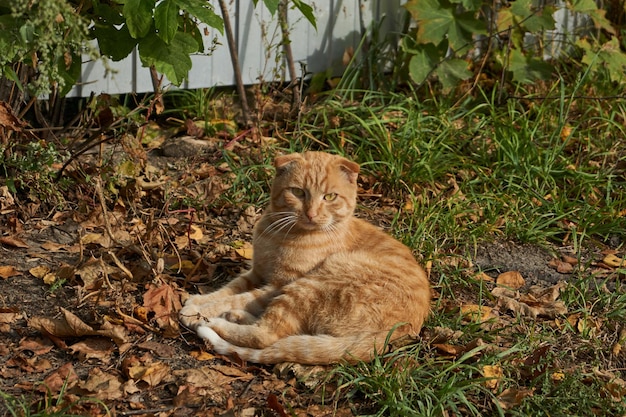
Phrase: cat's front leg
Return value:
(239, 316)
(244, 335)
(242, 283)
(252, 302)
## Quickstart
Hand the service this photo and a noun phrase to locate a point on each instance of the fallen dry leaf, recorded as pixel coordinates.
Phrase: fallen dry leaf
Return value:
(200, 355)
(476, 313)
(196, 233)
(102, 385)
(39, 271)
(494, 375)
(165, 303)
(534, 365)
(93, 271)
(561, 266)
(64, 377)
(38, 346)
(275, 405)
(481, 276)
(6, 198)
(28, 363)
(512, 397)
(527, 305)
(153, 374)
(94, 348)
(511, 279)
(570, 260)
(245, 251)
(13, 242)
(614, 261)
(7, 317)
(8, 271)
(618, 347)
(69, 325)
(159, 349)
(60, 247)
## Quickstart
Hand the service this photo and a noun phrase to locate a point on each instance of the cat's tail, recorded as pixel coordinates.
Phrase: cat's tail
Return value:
(304, 349)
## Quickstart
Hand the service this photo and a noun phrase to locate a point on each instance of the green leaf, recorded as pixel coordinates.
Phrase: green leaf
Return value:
(451, 71)
(307, 11)
(438, 20)
(166, 19)
(531, 17)
(117, 44)
(10, 74)
(423, 63)
(526, 69)
(272, 5)
(138, 14)
(203, 11)
(469, 5)
(171, 59)
(106, 13)
(608, 57)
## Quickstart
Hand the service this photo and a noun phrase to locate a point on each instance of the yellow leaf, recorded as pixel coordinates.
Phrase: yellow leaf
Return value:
(196, 233)
(39, 271)
(494, 374)
(476, 313)
(185, 265)
(200, 355)
(511, 279)
(245, 251)
(614, 261)
(566, 132)
(49, 278)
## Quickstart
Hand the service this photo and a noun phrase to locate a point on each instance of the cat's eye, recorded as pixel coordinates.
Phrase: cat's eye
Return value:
(298, 192)
(330, 196)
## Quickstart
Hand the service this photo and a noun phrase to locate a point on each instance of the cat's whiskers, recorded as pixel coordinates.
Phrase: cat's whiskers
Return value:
(332, 231)
(285, 219)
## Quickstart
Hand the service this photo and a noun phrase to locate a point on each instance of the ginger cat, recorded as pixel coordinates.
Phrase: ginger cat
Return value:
(324, 286)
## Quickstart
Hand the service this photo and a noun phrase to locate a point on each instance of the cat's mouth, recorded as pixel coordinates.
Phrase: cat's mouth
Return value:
(312, 224)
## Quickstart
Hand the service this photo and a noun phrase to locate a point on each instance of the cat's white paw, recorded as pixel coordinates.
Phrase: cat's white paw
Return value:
(191, 315)
(218, 344)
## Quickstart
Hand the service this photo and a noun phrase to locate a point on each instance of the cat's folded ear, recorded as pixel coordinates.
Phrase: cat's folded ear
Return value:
(281, 162)
(351, 169)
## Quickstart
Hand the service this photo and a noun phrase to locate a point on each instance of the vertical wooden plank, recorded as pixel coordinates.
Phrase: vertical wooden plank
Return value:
(258, 41)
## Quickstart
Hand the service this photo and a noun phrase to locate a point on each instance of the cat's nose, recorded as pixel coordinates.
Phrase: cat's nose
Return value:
(311, 214)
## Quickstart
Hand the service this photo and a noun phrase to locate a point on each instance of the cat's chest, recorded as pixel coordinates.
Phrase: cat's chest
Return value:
(291, 260)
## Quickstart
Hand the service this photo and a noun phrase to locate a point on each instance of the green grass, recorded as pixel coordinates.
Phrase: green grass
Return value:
(546, 172)
(58, 406)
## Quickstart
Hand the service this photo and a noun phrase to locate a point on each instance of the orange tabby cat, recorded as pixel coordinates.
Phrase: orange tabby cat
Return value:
(324, 286)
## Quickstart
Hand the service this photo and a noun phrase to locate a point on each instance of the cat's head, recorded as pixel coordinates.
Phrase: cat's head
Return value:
(313, 191)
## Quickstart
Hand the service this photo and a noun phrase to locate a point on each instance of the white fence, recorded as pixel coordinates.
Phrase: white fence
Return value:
(258, 36)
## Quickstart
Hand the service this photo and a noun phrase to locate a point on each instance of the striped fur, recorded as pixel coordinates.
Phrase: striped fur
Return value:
(324, 286)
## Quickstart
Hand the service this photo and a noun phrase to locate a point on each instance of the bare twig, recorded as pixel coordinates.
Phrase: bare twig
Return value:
(234, 58)
(291, 66)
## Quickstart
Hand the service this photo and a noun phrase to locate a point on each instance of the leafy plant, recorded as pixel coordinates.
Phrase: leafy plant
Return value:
(304, 8)
(46, 36)
(453, 34)
(166, 32)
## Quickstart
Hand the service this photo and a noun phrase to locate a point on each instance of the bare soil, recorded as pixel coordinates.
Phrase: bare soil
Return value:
(128, 268)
